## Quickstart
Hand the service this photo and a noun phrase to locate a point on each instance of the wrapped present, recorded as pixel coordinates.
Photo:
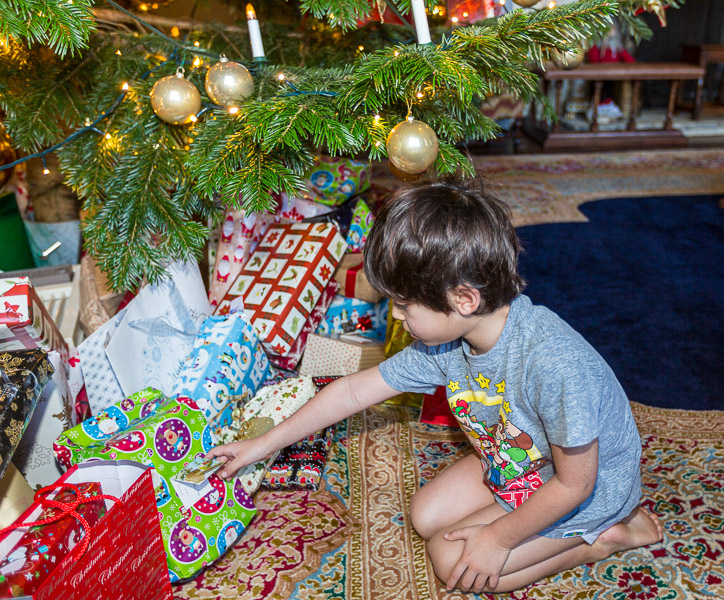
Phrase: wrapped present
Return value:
(348, 315)
(168, 434)
(271, 405)
(360, 226)
(101, 385)
(300, 466)
(120, 551)
(292, 358)
(340, 354)
(157, 331)
(351, 276)
(436, 410)
(40, 548)
(240, 234)
(15, 496)
(53, 414)
(396, 339)
(23, 376)
(24, 320)
(226, 360)
(283, 280)
(333, 181)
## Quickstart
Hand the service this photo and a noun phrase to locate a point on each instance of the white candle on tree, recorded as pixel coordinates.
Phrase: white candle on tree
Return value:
(257, 47)
(421, 26)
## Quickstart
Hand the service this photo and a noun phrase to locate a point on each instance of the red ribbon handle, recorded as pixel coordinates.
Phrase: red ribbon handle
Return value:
(66, 509)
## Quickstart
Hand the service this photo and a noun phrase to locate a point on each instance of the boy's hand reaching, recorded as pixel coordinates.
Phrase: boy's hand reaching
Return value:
(237, 455)
(481, 561)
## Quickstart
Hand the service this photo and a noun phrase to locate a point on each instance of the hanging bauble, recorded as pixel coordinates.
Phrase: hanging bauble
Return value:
(526, 3)
(175, 99)
(412, 147)
(570, 59)
(228, 83)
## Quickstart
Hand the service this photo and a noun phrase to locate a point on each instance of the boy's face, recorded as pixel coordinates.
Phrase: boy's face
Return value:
(429, 326)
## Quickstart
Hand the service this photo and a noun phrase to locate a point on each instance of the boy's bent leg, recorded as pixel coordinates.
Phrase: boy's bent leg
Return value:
(539, 556)
(454, 494)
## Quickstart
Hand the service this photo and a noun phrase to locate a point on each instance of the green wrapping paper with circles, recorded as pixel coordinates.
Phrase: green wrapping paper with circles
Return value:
(168, 434)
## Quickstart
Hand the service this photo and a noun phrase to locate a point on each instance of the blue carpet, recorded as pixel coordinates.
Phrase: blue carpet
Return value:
(643, 281)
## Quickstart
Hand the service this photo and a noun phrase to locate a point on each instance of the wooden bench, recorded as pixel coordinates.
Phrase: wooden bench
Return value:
(555, 140)
(704, 55)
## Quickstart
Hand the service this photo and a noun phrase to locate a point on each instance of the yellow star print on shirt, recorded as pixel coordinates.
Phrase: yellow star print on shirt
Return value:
(500, 387)
(454, 386)
(483, 382)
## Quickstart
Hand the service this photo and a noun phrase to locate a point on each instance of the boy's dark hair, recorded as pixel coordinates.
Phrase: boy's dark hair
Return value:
(428, 239)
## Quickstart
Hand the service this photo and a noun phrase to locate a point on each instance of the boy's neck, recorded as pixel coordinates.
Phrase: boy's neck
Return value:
(487, 330)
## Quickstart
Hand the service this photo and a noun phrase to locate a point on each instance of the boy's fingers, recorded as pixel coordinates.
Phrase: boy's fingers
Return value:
(456, 534)
(231, 467)
(456, 574)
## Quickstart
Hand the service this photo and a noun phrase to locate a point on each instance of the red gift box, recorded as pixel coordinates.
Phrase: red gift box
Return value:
(283, 279)
(25, 322)
(121, 555)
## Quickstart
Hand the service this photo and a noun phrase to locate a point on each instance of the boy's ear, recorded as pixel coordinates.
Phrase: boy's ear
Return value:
(466, 300)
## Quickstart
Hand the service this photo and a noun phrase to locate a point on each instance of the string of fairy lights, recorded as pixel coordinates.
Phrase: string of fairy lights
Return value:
(412, 145)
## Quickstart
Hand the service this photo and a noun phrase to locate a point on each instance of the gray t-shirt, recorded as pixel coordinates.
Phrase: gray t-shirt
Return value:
(541, 384)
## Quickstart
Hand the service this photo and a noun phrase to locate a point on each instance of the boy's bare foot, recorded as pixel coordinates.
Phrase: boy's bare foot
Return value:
(640, 528)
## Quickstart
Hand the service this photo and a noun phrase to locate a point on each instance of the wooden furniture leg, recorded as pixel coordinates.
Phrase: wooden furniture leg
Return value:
(557, 122)
(634, 106)
(668, 124)
(597, 85)
(698, 98)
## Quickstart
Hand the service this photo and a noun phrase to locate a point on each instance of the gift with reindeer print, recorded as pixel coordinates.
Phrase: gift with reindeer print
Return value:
(198, 524)
(225, 360)
(283, 280)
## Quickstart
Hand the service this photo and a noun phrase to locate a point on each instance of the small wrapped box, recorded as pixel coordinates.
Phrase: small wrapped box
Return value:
(300, 466)
(271, 405)
(351, 276)
(281, 283)
(333, 181)
(351, 315)
(40, 548)
(24, 320)
(197, 528)
(23, 376)
(226, 360)
(340, 354)
(359, 228)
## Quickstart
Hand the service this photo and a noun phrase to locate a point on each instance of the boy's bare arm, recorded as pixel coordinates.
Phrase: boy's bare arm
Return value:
(337, 401)
(573, 482)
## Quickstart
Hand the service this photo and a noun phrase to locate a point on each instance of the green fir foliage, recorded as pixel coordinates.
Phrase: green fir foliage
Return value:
(151, 189)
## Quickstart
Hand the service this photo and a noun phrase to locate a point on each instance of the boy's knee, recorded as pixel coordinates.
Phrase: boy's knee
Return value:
(443, 555)
(424, 519)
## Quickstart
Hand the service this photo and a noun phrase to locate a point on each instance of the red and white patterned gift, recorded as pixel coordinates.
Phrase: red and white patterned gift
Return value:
(283, 279)
(25, 322)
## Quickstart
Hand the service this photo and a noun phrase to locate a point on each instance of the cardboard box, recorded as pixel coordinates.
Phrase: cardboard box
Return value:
(340, 354)
(281, 283)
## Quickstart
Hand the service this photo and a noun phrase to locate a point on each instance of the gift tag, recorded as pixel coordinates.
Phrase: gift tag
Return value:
(198, 470)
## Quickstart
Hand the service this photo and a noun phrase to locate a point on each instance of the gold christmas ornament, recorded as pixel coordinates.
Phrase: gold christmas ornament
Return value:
(175, 99)
(657, 7)
(526, 3)
(228, 83)
(568, 60)
(412, 147)
(401, 175)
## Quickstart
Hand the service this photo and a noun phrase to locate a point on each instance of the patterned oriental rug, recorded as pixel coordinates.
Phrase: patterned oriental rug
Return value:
(352, 540)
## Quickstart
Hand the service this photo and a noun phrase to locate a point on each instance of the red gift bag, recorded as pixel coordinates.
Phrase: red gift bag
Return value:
(119, 557)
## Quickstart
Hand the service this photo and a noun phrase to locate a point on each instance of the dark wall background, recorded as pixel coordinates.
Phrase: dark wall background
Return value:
(696, 22)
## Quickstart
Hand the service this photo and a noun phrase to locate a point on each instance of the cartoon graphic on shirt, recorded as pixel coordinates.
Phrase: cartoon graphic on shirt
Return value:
(509, 456)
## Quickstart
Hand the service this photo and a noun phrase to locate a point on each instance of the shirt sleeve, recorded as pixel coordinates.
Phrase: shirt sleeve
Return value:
(416, 368)
(564, 385)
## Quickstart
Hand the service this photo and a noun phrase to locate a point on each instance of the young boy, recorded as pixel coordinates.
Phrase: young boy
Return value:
(549, 422)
